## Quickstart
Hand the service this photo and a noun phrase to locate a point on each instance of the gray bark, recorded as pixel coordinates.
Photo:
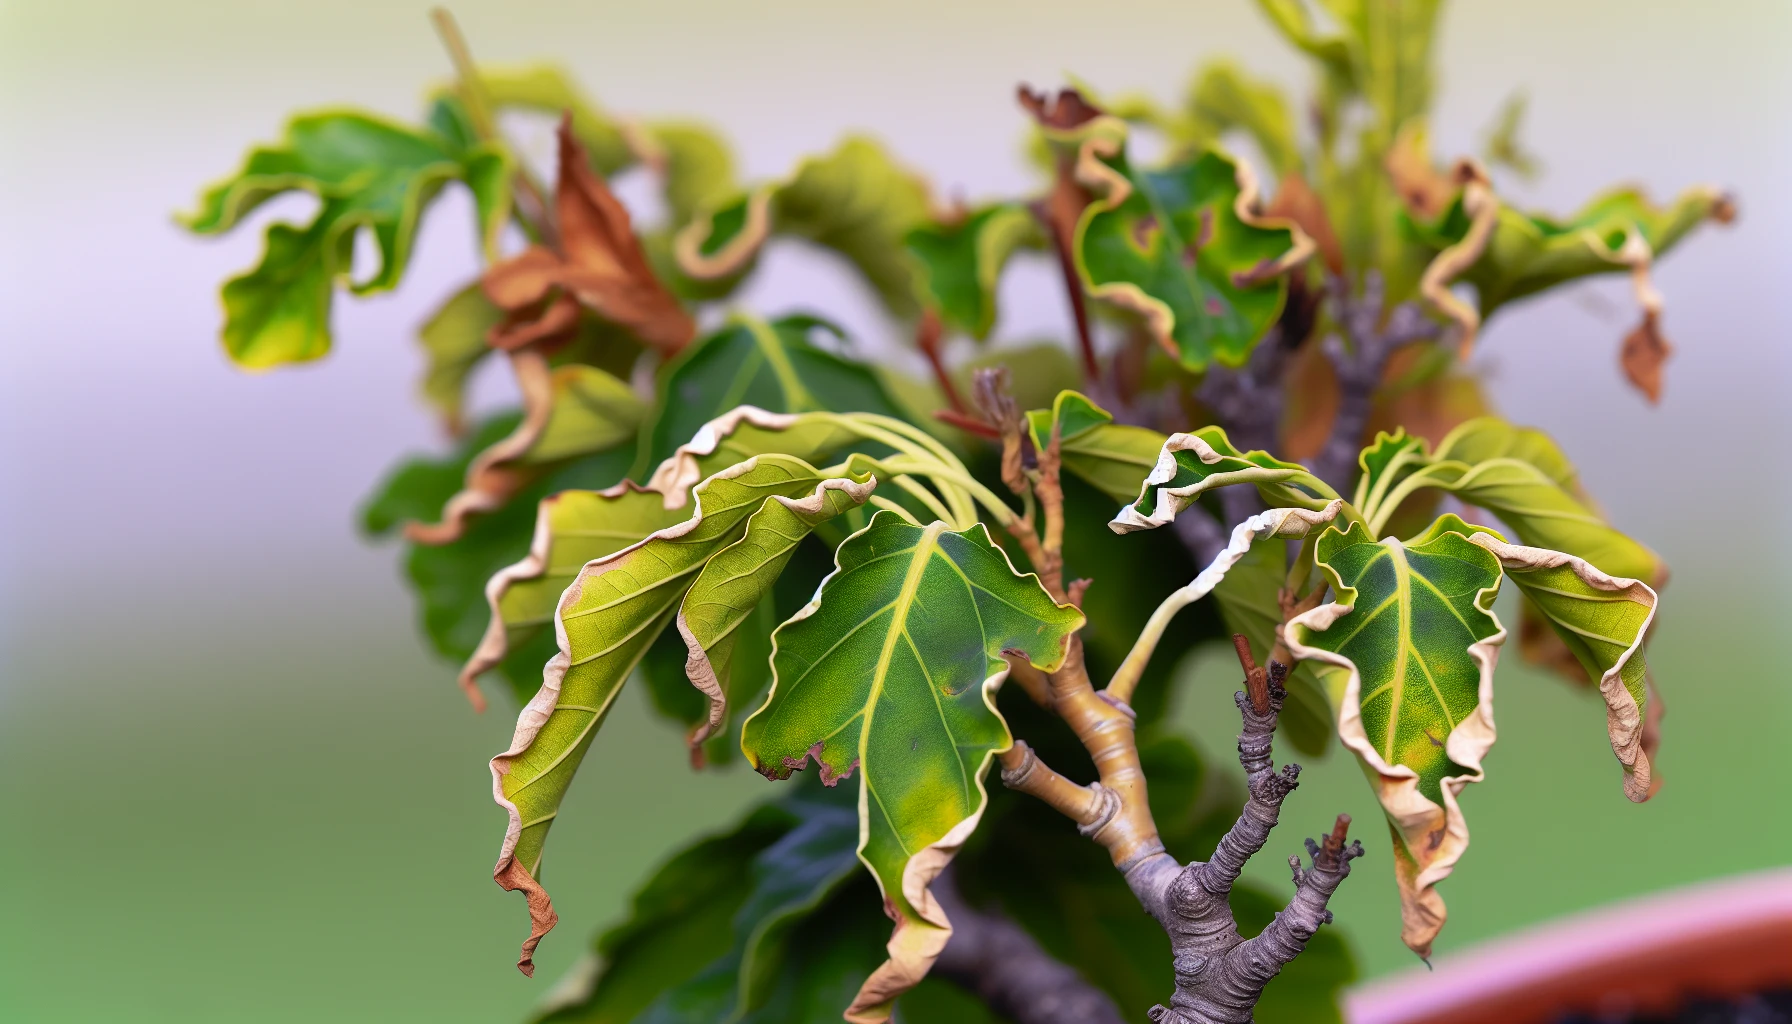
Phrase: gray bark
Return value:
(1359, 365)
(1219, 974)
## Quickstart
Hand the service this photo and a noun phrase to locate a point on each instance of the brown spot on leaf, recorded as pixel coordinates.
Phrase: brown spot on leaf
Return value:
(1142, 230)
(1424, 189)
(1642, 355)
(1439, 744)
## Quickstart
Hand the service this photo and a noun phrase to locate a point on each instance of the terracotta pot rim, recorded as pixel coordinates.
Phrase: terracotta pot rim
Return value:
(1716, 938)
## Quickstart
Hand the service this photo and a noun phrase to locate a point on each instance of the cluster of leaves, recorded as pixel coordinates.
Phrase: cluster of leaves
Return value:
(709, 501)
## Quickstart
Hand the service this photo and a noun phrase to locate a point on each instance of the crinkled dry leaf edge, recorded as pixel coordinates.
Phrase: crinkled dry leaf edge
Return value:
(510, 874)
(1624, 719)
(488, 484)
(1435, 838)
(697, 666)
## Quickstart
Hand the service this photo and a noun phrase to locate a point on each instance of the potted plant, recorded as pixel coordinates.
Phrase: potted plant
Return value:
(814, 562)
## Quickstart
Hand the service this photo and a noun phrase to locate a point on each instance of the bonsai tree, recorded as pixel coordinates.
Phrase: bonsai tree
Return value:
(891, 585)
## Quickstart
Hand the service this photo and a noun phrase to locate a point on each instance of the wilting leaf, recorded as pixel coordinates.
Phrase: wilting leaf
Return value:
(1114, 457)
(1413, 628)
(449, 580)
(568, 411)
(1532, 252)
(572, 528)
(746, 431)
(366, 172)
(1224, 97)
(1181, 247)
(739, 579)
(891, 673)
(1333, 52)
(1190, 465)
(550, 89)
(771, 366)
(599, 264)
(1517, 474)
(961, 263)
(856, 201)
(454, 342)
(1603, 621)
(604, 622)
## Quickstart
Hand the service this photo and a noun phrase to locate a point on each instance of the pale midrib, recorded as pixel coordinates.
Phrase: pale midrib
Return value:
(924, 548)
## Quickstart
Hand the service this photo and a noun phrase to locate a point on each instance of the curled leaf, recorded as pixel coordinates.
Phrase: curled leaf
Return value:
(1412, 628)
(740, 576)
(961, 263)
(1115, 457)
(1190, 465)
(1603, 621)
(856, 201)
(367, 173)
(604, 622)
(1185, 248)
(454, 342)
(891, 673)
(567, 411)
(599, 265)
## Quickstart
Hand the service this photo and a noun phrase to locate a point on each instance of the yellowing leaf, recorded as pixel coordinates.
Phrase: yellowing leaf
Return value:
(367, 173)
(604, 622)
(1114, 457)
(890, 672)
(1413, 629)
(568, 411)
(1603, 621)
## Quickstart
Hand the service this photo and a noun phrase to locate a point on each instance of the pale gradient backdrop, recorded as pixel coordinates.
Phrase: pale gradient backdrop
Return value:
(234, 785)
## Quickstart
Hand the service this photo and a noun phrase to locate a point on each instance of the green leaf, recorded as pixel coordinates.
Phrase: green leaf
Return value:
(1177, 246)
(1114, 457)
(366, 172)
(961, 263)
(449, 580)
(891, 672)
(696, 166)
(1529, 253)
(1516, 473)
(1190, 465)
(1413, 629)
(550, 89)
(856, 201)
(678, 921)
(570, 411)
(454, 343)
(1297, 25)
(1224, 98)
(788, 882)
(1604, 622)
(739, 579)
(770, 366)
(604, 622)
(572, 528)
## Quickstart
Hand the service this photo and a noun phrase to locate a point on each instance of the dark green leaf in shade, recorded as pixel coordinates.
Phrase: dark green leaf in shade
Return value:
(961, 263)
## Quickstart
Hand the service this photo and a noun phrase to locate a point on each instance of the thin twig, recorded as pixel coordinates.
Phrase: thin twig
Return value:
(530, 193)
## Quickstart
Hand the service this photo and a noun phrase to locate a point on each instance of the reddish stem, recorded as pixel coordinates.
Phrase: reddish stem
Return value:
(927, 339)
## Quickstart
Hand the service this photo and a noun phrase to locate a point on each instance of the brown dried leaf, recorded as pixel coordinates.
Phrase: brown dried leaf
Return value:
(600, 265)
(1297, 202)
(1426, 190)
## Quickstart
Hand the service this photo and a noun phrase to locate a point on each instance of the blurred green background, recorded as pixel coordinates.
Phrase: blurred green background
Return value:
(234, 785)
